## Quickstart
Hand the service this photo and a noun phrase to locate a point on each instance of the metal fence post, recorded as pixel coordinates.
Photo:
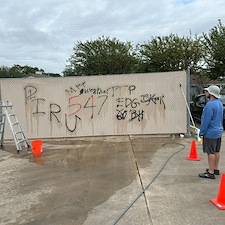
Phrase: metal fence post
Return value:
(188, 99)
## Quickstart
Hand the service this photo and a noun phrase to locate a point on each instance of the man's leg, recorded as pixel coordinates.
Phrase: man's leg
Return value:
(208, 147)
(211, 162)
(217, 158)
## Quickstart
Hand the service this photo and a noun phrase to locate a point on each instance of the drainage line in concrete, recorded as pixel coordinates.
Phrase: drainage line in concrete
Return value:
(143, 192)
(142, 186)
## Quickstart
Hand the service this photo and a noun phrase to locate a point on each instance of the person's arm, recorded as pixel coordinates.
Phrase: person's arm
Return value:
(205, 120)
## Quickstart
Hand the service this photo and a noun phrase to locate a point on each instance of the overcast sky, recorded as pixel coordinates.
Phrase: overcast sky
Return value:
(43, 33)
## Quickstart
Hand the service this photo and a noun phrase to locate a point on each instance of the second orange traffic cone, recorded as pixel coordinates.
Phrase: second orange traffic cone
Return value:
(220, 201)
(193, 152)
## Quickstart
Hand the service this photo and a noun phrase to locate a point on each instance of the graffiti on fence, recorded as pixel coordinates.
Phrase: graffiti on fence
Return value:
(83, 100)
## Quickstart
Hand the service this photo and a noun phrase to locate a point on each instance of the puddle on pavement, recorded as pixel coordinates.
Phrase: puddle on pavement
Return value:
(85, 153)
(74, 154)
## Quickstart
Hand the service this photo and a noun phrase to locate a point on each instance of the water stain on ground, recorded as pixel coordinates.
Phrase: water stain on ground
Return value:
(82, 174)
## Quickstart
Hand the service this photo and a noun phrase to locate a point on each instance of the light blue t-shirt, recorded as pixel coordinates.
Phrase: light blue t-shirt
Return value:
(212, 120)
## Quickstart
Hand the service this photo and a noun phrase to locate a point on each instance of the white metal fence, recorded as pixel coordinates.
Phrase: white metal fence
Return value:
(54, 107)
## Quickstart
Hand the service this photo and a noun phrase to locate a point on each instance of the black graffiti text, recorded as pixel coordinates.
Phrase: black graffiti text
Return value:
(30, 92)
(148, 98)
(130, 115)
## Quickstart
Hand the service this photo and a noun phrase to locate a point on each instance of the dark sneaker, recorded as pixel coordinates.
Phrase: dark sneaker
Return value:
(216, 172)
(207, 175)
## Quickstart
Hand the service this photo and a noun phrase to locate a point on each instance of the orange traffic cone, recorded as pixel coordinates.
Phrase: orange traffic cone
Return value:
(220, 201)
(193, 152)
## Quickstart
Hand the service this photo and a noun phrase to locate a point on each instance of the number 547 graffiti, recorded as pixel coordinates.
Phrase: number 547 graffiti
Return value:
(75, 106)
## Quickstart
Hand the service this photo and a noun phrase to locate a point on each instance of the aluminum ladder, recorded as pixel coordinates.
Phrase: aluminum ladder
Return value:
(7, 113)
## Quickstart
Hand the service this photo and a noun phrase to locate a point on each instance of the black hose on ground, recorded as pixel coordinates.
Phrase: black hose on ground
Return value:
(143, 192)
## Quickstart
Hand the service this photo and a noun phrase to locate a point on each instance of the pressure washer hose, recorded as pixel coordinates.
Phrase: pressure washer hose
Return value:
(143, 192)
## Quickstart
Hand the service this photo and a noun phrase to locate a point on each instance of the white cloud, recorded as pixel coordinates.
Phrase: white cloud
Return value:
(42, 33)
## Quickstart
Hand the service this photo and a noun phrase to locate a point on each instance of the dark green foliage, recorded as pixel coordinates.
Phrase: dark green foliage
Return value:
(17, 71)
(7, 72)
(100, 57)
(214, 45)
(170, 53)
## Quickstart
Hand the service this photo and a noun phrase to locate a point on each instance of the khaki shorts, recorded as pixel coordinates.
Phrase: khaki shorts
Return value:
(211, 146)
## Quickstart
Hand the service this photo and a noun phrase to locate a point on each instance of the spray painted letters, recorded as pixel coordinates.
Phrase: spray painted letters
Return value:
(84, 102)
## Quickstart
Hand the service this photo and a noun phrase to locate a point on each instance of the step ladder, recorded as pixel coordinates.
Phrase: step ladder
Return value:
(7, 113)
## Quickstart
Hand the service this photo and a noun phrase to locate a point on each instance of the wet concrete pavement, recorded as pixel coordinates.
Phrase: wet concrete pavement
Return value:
(100, 180)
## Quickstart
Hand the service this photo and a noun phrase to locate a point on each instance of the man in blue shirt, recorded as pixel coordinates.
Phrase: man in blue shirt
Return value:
(211, 130)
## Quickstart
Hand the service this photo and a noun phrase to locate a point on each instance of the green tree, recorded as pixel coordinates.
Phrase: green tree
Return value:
(9, 72)
(170, 53)
(214, 45)
(17, 71)
(26, 70)
(100, 57)
(4, 72)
